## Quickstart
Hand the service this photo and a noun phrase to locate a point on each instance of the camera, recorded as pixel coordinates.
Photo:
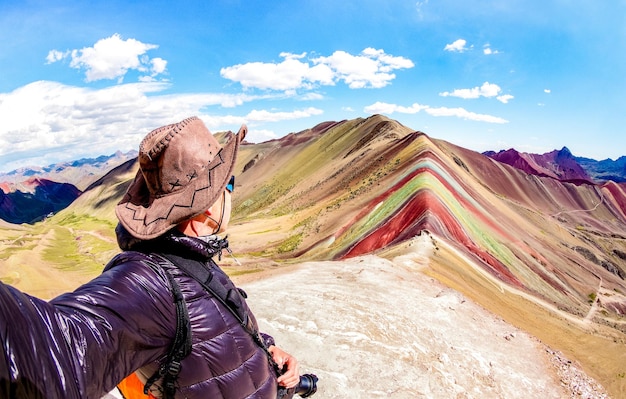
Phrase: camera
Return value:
(305, 388)
(307, 385)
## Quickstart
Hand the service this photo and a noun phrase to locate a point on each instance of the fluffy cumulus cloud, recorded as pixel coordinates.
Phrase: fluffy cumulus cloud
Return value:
(487, 50)
(505, 98)
(371, 68)
(388, 109)
(287, 75)
(487, 90)
(112, 58)
(458, 46)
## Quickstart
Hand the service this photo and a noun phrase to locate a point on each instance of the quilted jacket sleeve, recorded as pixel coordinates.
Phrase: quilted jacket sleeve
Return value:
(81, 344)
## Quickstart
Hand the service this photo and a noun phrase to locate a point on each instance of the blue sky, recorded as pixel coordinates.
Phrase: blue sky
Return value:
(87, 78)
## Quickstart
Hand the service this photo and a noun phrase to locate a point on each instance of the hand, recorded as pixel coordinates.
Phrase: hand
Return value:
(291, 376)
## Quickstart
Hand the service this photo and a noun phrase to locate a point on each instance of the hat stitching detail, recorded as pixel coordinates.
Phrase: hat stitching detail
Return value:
(164, 142)
(166, 216)
(190, 205)
(219, 155)
(174, 184)
(190, 177)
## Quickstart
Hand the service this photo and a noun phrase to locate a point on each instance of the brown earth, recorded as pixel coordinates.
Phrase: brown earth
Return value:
(38, 278)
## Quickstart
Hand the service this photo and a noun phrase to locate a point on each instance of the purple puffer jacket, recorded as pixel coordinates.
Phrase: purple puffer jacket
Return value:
(81, 344)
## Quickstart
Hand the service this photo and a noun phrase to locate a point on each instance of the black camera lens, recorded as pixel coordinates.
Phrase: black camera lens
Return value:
(307, 385)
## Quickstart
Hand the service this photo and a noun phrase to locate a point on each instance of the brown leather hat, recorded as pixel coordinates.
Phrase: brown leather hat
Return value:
(182, 171)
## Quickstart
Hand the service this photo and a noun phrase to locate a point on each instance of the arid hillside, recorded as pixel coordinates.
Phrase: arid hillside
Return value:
(545, 256)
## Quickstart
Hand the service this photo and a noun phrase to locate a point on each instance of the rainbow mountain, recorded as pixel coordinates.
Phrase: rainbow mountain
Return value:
(356, 187)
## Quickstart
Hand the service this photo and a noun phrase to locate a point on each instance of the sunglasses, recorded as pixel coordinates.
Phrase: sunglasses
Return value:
(231, 184)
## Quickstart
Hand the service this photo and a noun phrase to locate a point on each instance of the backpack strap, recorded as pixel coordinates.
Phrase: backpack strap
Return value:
(181, 346)
(232, 298)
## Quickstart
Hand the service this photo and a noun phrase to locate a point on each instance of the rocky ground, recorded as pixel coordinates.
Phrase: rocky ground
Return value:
(576, 383)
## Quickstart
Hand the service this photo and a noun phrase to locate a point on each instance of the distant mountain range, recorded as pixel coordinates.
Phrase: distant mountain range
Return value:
(29, 194)
(562, 165)
(80, 173)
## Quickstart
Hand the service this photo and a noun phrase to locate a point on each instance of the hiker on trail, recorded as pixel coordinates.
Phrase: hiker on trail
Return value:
(162, 317)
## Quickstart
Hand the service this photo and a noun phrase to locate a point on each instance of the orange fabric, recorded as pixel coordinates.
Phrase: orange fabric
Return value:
(131, 387)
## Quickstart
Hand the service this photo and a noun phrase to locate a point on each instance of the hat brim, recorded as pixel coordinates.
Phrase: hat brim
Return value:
(146, 218)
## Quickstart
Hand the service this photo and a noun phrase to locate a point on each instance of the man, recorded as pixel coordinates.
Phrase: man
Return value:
(162, 312)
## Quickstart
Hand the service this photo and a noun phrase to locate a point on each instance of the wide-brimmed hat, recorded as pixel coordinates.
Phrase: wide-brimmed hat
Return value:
(183, 170)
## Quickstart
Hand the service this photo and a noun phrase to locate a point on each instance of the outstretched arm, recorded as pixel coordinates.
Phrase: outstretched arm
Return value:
(82, 343)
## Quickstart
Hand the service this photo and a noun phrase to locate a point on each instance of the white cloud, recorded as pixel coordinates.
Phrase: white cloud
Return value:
(254, 118)
(56, 55)
(487, 50)
(158, 66)
(268, 116)
(260, 135)
(310, 97)
(386, 108)
(457, 46)
(486, 90)
(288, 75)
(547, 91)
(112, 58)
(44, 122)
(288, 56)
(371, 69)
(465, 114)
(505, 98)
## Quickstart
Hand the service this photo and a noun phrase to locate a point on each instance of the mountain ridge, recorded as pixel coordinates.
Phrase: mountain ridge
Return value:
(41, 198)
